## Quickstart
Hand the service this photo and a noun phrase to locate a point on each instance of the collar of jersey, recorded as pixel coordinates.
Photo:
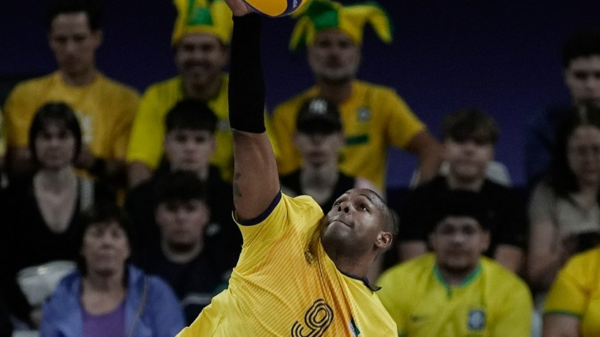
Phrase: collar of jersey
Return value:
(468, 280)
(364, 280)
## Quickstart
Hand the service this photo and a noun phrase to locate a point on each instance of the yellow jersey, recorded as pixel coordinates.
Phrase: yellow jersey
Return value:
(576, 292)
(492, 301)
(374, 118)
(286, 285)
(105, 109)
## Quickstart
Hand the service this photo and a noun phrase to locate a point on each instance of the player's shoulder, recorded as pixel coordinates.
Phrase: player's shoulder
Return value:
(302, 205)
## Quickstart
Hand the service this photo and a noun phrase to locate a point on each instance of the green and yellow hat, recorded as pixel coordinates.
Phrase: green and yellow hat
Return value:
(320, 15)
(203, 16)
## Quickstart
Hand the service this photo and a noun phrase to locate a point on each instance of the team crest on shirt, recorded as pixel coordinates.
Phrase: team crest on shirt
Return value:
(354, 330)
(363, 114)
(476, 320)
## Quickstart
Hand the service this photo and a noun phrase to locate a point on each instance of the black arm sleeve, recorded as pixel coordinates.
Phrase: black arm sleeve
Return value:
(246, 82)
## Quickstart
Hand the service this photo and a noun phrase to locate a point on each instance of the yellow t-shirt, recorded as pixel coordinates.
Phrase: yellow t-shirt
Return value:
(147, 136)
(576, 292)
(286, 285)
(105, 109)
(491, 302)
(374, 118)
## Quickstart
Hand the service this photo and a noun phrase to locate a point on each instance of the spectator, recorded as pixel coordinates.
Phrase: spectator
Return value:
(201, 45)
(581, 64)
(469, 137)
(105, 107)
(106, 296)
(374, 117)
(42, 211)
(190, 256)
(319, 140)
(564, 210)
(455, 291)
(571, 307)
(189, 143)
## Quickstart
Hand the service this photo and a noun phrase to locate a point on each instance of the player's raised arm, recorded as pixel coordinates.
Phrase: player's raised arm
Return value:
(255, 181)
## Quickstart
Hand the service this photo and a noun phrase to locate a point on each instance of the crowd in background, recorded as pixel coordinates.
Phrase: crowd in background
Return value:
(136, 191)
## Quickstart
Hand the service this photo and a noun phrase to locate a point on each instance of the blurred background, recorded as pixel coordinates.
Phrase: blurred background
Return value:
(502, 56)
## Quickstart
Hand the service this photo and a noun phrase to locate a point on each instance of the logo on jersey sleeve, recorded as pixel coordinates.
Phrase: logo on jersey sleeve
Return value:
(317, 320)
(476, 320)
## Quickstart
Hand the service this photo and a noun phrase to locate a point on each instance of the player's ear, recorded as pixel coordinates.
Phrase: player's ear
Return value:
(384, 239)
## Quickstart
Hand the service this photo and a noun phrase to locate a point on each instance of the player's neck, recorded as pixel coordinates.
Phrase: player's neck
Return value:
(346, 260)
(203, 92)
(465, 184)
(79, 79)
(337, 92)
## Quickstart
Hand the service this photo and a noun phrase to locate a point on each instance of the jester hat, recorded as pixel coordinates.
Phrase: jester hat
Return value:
(320, 15)
(203, 16)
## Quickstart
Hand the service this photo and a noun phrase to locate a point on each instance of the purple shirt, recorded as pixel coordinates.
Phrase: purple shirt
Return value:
(111, 324)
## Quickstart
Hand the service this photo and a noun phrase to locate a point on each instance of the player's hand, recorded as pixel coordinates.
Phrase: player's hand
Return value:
(238, 7)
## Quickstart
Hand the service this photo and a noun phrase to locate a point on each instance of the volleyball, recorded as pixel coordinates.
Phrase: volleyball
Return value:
(275, 8)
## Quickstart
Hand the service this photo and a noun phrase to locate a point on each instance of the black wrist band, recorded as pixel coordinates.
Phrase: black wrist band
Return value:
(246, 82)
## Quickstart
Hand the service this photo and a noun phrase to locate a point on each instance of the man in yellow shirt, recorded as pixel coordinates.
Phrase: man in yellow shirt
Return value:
(200, 41)
(374, 117)
(105, 107)
(572, 307)
(455, 291)
(300, 273)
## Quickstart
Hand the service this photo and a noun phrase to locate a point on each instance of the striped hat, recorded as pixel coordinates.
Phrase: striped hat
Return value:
(203, 16)
(321, 15)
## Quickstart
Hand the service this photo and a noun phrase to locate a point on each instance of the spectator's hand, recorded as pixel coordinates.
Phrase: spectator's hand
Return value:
(238, 7)
(86, 158)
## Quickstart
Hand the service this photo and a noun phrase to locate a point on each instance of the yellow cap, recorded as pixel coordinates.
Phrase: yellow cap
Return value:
(320, 15)
(203, 16)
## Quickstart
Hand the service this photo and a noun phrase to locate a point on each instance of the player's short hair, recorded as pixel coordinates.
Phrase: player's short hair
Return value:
(583, 43)
(180, 187)
(390, 218)
(470, 124)
(91, 8)
(54, 112)
(191, 114)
